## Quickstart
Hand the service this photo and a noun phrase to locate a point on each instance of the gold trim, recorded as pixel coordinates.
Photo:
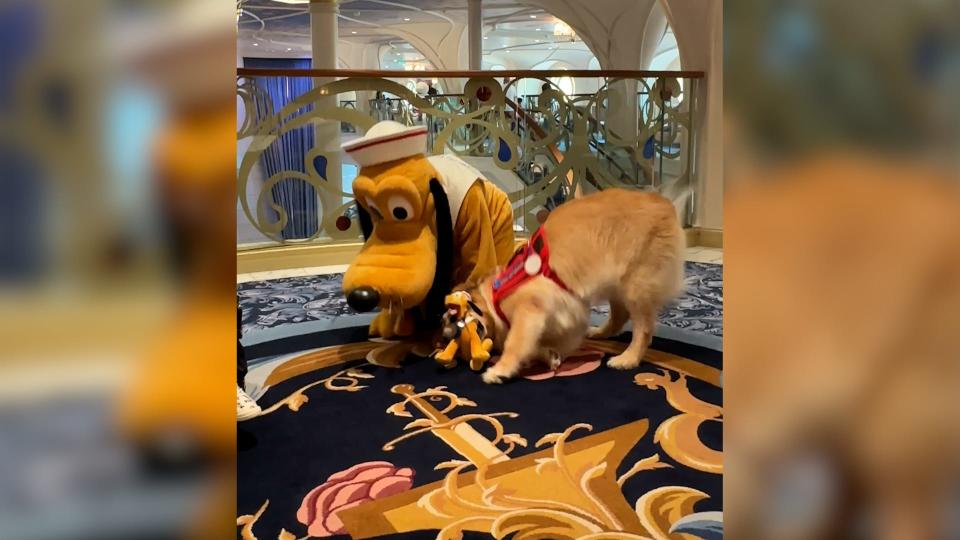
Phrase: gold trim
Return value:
(703, 237)
(286, 257)
(294, 256)
(712, 238)
(319, 359)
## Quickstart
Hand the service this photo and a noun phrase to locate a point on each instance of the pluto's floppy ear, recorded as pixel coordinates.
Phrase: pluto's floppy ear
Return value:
(366, 224)
(443, 273)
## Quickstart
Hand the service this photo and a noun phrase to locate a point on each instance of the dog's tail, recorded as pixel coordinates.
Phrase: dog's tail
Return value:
(680, 251)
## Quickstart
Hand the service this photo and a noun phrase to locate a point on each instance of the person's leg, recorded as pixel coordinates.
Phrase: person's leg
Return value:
(246, 407)
(241, 355)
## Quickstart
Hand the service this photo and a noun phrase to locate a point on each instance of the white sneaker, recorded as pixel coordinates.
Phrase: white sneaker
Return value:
(247, 408)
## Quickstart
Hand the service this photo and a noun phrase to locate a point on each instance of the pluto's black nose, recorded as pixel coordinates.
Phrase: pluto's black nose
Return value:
(363, 299)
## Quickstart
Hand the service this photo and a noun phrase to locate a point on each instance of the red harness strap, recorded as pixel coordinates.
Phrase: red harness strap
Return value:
(533, 260)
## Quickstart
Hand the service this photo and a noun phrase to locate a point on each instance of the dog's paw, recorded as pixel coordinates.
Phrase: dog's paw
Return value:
(623, 362)
(492, 376)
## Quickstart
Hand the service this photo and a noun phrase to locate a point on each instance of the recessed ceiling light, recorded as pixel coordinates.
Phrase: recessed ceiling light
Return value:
(538, 29)
(256, 44)
(538, 41)
(289, 49)
(508, 50)
(353, 31)
(486, 37)
(406, 18)
(533, 16)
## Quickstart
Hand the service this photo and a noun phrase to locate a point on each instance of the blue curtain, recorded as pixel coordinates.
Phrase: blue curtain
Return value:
(25, 204)
(296, 197)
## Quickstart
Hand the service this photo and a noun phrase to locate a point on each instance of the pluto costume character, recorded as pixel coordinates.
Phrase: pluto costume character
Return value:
(429, 222)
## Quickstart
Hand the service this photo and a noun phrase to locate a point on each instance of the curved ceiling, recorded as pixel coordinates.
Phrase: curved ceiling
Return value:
(282, 28)
(514, 36)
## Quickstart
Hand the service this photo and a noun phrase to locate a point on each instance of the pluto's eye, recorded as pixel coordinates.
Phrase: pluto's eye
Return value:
(373, 209)
(400, 208)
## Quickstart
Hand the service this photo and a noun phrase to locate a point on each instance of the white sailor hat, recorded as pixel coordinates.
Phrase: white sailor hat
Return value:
(387, 141)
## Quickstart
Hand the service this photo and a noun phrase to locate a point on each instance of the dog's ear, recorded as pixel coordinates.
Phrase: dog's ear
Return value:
(443, 273)
(366, 223)
(474, 307)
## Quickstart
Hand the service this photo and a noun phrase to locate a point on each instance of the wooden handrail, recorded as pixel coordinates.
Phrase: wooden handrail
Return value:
(515, 73)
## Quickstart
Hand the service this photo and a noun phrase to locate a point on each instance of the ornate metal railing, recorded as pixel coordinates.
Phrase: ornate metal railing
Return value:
(636, 131)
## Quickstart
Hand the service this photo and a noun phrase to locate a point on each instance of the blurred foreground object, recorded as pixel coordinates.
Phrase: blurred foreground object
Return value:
(844, 361)
(822, 75)
(116, 264)
(842, 270)
(179, 407)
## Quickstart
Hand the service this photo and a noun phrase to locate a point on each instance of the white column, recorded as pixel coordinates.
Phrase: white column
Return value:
(475, 33)
(438, 42)
(323, 37)
(698, 27)
(653, 30)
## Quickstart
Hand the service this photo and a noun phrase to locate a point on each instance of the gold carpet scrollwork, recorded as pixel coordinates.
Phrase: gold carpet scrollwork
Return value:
(679, 435)
(247, 522)
(567, 490)
(380, 353)
(345, 380)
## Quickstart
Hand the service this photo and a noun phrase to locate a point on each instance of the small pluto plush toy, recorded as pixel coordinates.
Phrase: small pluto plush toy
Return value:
(463, 332)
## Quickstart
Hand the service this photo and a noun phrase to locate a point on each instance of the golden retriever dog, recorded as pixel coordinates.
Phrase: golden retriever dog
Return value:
(622, 247)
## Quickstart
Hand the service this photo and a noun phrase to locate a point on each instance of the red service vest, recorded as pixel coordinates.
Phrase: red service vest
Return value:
(533, 260)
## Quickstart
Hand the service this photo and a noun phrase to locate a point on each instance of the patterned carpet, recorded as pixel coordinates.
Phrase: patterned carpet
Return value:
(289, 301)
(368, 440)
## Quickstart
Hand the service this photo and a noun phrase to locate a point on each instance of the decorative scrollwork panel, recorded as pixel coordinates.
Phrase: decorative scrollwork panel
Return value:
(629, 133)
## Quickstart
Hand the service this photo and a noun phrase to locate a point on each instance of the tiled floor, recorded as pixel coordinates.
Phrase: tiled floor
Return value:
(694, 254)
